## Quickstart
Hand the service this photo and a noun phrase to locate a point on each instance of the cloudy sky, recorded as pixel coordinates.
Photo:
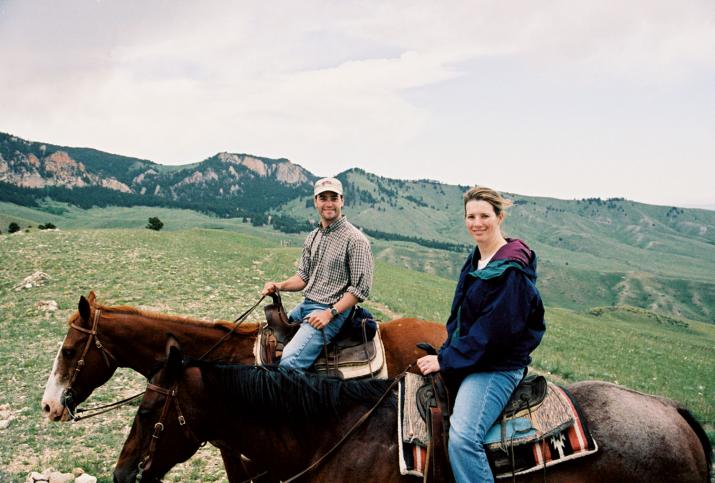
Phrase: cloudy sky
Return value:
(570, 98)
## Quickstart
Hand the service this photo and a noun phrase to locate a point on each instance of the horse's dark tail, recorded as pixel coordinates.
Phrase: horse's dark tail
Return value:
(702, 436)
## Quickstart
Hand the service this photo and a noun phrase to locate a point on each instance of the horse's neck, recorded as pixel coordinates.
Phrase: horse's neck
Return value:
(281, 449)
(138, 341)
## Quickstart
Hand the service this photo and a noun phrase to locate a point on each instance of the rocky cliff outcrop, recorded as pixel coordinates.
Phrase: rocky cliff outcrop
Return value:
(229, 184)
(56, 169)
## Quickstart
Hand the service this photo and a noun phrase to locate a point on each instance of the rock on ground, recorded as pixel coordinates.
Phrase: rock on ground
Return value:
(47, 305)
(34, 280)
(85, 478)
(51, 476)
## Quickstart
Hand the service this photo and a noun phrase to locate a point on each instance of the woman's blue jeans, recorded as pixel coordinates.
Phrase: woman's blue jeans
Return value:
(480, 400)
(307, 344)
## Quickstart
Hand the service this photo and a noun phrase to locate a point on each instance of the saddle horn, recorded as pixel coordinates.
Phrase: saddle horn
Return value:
(428, 348)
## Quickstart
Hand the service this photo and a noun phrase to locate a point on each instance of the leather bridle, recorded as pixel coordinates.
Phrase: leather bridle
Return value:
(67, 394)
(145, 463)
(170, 394)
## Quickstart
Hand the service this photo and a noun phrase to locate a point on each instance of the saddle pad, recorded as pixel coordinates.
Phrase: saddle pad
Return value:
(515, 429)
(354, 364)
(552, 415)
(551, 444)
(412, 433)
(555, 431)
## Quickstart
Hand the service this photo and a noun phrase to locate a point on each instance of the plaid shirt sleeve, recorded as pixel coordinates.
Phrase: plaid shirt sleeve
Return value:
(361, 267)
(304, 263)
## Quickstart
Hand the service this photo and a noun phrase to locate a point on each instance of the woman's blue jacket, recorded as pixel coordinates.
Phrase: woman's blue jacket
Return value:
(497, 316)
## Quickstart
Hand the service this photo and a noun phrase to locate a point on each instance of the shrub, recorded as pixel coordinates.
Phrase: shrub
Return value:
(13, 227)
(155, 223)
(259, 219)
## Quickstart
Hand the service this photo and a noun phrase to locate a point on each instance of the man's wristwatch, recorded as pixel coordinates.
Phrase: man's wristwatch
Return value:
(333, 312)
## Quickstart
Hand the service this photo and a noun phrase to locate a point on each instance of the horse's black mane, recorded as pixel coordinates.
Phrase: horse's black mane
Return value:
(287, 394)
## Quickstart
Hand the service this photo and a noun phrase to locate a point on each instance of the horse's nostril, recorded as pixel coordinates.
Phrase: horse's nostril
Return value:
(46, 408)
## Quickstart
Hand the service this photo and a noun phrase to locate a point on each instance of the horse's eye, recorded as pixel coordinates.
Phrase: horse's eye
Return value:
(68, 353)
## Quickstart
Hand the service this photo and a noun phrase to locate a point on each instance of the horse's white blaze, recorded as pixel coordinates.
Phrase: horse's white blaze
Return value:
(52, 398)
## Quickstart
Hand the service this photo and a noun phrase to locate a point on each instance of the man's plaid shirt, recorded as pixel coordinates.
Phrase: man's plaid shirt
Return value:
(335, 260)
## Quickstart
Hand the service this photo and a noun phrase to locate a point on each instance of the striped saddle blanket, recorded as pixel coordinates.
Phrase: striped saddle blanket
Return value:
(552, 432)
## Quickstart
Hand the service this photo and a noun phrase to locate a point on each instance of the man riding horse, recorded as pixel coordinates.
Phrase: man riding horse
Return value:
(335, 273)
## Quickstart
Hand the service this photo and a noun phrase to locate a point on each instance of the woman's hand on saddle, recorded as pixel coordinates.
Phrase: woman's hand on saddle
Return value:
(319, 319)
(428, 364)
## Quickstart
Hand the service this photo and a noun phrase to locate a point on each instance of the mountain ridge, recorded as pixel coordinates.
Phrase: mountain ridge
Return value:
(592, 252)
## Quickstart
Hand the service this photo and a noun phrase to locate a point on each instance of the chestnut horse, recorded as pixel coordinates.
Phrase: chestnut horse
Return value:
(129, 337)
(286, 420)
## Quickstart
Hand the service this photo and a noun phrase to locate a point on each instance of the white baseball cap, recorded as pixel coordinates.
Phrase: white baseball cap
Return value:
(328, 184)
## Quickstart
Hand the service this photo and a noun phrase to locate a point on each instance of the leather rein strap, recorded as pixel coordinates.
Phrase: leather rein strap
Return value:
(354, 427)
(239, 320)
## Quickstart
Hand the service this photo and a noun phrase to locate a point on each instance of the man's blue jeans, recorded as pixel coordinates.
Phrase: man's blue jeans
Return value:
(307, 344)
(480, 400)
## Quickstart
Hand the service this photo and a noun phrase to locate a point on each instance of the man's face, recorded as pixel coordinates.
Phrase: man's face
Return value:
(329, 206)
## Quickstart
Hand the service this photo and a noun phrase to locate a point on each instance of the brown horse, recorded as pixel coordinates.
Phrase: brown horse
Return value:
(284, 420)
(129, 337)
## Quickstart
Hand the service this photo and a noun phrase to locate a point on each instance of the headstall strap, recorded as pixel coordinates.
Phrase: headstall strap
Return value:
(80, 364)
(92, 333)
(159, 425)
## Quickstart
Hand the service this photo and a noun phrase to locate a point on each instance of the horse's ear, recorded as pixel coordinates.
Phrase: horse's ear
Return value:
(91, 297)
(174, 356)
(84, 308)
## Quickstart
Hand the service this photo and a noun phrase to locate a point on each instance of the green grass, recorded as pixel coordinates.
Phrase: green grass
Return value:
(635, 349)
(217, 274)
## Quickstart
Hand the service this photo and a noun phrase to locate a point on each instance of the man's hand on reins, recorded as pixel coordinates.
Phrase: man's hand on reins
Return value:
(270, 288)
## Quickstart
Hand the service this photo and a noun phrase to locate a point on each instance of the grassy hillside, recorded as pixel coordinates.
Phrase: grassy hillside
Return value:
(217, 273)
(675, 283)
(613, 251)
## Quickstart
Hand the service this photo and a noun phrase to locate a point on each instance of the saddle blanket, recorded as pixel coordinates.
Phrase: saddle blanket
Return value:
(550, 433)
(412, 433)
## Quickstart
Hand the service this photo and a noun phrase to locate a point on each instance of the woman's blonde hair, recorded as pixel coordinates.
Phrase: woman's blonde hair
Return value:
(482, 193)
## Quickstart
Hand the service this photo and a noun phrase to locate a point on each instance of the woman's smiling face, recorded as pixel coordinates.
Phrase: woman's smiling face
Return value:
(482, 222)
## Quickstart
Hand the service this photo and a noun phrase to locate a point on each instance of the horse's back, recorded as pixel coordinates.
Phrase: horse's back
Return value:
(640, 438)
(401, 336)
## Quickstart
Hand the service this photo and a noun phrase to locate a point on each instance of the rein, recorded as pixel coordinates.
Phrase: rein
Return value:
(97, 410)
(239, 320)
(171, 393)
(354, 427)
